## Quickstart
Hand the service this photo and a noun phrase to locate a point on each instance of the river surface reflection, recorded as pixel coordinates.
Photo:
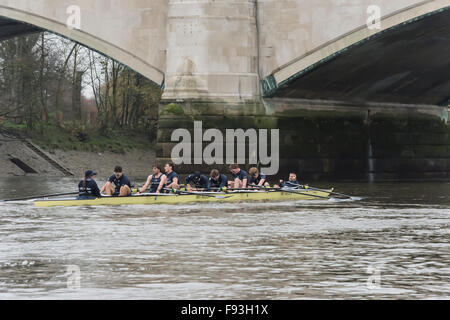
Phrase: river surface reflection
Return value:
(394, 243)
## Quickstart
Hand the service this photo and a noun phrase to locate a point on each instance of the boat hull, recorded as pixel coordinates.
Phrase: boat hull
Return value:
(307, 194)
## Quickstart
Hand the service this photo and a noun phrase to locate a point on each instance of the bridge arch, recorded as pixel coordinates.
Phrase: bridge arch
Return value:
(17, 21)
(329, 57)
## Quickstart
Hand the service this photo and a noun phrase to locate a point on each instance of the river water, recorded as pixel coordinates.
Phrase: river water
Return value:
(391, 244)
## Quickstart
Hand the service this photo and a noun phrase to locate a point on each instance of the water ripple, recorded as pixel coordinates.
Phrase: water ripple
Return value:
(386, 245)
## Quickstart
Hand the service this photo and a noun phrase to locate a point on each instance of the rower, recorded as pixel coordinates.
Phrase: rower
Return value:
(256, 178)
(154, 181)
(171, 178)
(240, 177)
(122, 185)
(200, 181)
(88, 188)
(217, 180)
(291, 183)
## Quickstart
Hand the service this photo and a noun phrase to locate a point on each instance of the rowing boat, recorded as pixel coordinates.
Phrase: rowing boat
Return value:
(234, 196)
(188, 198)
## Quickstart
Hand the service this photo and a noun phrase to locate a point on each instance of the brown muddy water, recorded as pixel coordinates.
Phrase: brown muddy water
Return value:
(391, 244)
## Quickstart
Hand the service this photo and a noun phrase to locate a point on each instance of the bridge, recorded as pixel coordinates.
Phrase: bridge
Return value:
(260, 61)
(224, 50)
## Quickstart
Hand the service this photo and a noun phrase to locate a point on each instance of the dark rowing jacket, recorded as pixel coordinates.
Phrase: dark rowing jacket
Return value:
(120, 182)
(252, 180)
(221, 182)
(91, 189)
(154, 183)
(241, 175)
(290, 184)
(172, 176)
(199, 181)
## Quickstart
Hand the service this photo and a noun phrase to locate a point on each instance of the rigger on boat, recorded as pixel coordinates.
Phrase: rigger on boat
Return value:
(165, 188)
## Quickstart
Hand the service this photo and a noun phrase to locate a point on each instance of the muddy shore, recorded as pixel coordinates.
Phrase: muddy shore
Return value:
(136, 163)
(21, 157)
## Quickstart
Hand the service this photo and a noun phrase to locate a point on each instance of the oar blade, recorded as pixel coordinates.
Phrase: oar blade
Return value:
(39, 197)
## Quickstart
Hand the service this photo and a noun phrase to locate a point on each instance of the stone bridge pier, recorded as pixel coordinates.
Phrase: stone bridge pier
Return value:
(350, 102)
(325, 140)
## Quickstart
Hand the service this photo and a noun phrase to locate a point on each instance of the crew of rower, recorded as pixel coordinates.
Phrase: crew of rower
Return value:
(200, 181)
(291, 183)
(119, 185)
(217, 181)
(154, 181)
(256, 178)
(88, 188)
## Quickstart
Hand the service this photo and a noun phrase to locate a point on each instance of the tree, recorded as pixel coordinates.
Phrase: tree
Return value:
(42, 76)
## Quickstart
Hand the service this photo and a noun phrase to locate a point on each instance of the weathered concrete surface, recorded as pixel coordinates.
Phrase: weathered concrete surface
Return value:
(212, 50)
(133, 32)
(328, 140)
(343, 140)
(217, 49)
(12, 147)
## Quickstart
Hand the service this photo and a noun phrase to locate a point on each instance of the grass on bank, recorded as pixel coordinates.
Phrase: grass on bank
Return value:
(71, 136)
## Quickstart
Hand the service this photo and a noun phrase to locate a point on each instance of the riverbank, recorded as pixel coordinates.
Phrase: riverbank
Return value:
(136, 163)
(59, 152)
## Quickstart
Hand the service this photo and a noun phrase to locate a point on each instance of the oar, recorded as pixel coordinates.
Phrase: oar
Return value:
(332, 192)
(278, 190)
(291, 191)
(38, 197)
(243, 189)
(199, 194)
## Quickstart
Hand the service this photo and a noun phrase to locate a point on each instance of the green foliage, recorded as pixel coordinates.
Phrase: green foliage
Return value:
(77, 130)
(13, 126)
(174, 109)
